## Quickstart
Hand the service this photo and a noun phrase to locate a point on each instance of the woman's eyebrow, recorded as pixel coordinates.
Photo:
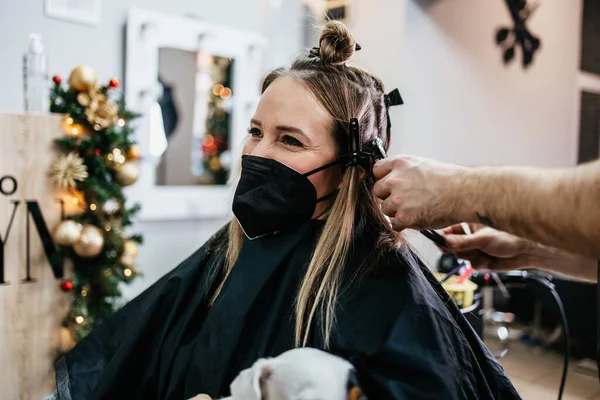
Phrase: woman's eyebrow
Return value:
(285, 128)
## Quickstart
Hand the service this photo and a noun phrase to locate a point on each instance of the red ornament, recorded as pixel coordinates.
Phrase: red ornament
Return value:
(57, 79)
(97, 152)
(66, 286)
(113, 83)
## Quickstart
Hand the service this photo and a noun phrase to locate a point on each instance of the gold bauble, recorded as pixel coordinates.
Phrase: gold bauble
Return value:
(134, 152)
(82, 78)
(128, 174)
(130, 248)
(65, 340)
(115, 159)
(68, 232)
(127, 260)
(90, 242)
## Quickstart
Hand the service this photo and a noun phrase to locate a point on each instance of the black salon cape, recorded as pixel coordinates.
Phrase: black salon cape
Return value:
(404, 335)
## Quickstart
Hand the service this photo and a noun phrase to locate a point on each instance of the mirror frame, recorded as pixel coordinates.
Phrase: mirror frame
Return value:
(147, 32)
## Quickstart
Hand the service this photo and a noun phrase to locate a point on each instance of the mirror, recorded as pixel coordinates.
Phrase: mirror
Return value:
(191, 118)
(195, 85)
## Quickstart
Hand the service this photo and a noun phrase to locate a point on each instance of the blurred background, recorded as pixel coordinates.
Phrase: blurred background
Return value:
(483, 84)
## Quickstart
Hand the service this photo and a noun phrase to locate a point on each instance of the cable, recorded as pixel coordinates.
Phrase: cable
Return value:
(520, 276)
(483, 279)
(563, 316)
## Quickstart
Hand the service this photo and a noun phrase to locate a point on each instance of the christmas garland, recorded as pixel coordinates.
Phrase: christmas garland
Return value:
(97, 158)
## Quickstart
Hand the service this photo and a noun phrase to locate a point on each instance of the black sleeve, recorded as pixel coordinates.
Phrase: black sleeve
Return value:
(135, 332)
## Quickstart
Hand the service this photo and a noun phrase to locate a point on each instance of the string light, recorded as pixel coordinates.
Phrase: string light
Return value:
(107, 272)
(84, 293)
(218, 89)
(93, 207)
(107, 228)
(127, 272)
(69, 120)
(74, 131)
(121, 122)
(226, 93)
(79, 319)
(208, 140)
(75, 200)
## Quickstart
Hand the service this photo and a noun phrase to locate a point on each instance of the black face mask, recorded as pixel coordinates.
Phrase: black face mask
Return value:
(271, 197)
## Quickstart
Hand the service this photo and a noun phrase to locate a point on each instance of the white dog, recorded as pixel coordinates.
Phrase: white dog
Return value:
(298, 374)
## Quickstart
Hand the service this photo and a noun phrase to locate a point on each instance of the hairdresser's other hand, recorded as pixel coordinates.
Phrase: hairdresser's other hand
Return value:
(419, 193)
(489, 248)
(500, 251)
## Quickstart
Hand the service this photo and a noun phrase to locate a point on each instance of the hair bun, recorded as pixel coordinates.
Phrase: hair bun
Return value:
(336, 43)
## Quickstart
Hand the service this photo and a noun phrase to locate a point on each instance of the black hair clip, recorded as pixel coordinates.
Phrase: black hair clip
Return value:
(356, 155)
(391, 99)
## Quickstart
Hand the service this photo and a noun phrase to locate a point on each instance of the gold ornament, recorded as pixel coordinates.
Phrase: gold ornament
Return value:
(127, 260)
(130, 248)
(82, 78)
(66, 170)
(100, 111)
(134, 152)
(84, 98)
(67, 233)
(73, 200)
(128, 174)
(90, 242)
(65, 340)
(115, 159)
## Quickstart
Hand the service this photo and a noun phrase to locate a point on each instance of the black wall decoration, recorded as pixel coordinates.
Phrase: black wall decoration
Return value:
(519, 35)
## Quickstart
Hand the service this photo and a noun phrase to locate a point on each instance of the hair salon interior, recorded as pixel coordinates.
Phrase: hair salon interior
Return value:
(158, 96)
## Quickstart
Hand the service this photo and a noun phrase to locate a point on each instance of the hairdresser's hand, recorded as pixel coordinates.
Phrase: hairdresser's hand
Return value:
(491, 249)
(419, 193)
(500, 251)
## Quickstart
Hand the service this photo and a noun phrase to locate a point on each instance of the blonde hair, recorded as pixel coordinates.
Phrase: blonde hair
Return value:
(346, 92)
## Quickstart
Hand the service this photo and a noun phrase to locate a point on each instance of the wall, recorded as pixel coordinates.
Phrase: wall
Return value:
(69, 44)
(462, 105)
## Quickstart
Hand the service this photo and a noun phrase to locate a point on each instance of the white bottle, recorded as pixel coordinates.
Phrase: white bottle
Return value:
(35, 84)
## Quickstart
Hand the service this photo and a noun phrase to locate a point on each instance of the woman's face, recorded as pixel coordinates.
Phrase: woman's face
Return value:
(291, 126)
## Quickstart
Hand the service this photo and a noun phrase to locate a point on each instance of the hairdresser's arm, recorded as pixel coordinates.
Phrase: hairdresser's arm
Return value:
(556, 207)
(500, 251)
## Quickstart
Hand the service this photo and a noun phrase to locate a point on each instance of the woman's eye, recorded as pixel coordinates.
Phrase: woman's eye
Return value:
(255, 132)
(291, 141)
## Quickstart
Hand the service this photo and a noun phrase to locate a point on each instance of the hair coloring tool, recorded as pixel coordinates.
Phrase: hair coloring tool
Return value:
(377, 151)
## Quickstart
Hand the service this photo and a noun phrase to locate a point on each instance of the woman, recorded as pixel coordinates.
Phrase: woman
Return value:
(309, 260)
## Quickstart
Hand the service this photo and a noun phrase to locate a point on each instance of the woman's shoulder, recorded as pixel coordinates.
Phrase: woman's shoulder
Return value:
(395, 269)
(394, 286)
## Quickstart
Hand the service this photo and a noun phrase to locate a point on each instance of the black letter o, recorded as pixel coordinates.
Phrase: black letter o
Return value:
(14, 183)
